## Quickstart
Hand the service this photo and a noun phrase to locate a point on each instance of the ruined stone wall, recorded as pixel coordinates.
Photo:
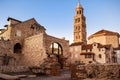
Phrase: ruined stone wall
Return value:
(23, 29)
(64, 43)
(33, 51)
(8, 69)
(75, 53)
(97, 71)
(6, 49)
(6, 34)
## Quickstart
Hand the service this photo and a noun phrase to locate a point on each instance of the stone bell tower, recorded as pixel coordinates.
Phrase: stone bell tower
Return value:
(79, 25)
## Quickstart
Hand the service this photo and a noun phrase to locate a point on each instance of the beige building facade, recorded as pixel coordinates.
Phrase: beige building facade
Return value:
(105, 37)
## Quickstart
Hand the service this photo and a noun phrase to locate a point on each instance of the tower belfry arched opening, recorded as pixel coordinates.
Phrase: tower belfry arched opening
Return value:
(79, 25)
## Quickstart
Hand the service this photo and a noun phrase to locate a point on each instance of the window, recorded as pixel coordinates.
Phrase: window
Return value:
(75, 20)
(18, 33)
(100, 56)
(94, 44)
(78, 27)
(77, 12)
(78, 19)
(76, 37)
(80, 12)
(88, 56)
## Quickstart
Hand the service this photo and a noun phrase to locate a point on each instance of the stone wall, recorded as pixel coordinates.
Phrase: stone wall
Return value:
(33, 51)
(6, 56)
(105, 39)
(64, 43)
(8, 69)
(98, 71)
(6, 34)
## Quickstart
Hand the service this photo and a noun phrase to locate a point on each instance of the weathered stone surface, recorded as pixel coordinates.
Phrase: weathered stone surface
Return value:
(28, 43)
(98, 71)
(7, 69)
(50, 66)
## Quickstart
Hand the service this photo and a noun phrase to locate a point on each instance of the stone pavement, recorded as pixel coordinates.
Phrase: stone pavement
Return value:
(65, 75)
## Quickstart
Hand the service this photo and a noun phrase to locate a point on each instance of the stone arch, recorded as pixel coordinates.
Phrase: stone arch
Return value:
(56, 48)
(17, 48)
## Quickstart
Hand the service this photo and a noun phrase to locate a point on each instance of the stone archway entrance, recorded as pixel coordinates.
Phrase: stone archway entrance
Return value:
(17, 48)
(57, 50)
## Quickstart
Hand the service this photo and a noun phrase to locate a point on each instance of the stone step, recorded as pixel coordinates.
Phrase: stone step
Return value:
(8, 77)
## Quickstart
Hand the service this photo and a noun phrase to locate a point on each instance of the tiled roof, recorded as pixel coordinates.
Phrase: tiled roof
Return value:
(104, 46)
(103, 32)
(88, 46)
(117, 48)
(85, 53)
(76, 44)
(2, 29)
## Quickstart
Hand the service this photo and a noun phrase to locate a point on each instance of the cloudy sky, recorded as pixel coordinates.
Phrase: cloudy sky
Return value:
(57, 15)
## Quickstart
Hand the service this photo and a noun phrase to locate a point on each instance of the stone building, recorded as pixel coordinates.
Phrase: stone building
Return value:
(79, 25)
(101, 44)
(26, 43)
(105, 37)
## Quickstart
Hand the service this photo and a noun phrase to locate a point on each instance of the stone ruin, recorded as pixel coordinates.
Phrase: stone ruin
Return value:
(50, 66)
(96, 71)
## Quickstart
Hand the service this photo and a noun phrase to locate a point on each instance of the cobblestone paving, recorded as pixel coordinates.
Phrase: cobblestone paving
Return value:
(65, 75)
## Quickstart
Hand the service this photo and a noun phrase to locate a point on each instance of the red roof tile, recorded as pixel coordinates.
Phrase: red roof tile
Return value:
(76, 44)
(88, 46)
(85, 53)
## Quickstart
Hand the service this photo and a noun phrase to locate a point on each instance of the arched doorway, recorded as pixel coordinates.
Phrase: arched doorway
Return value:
(17, 48)
(57, 50)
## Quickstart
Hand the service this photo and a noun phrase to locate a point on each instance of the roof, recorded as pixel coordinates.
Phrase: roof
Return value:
(33, 21)
(117, 48)
(107, 46)
(9, 18)
(88, 46)
(76, 44)
(87, 53)
(79, 5)
(103, 32)
(2, 29)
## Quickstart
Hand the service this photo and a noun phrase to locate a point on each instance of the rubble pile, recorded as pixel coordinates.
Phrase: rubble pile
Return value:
(78, 72)
(98, 71)
(50, 66)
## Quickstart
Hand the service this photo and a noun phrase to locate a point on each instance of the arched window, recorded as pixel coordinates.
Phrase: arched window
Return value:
(17, 48)
(100, 56)
(55, 48)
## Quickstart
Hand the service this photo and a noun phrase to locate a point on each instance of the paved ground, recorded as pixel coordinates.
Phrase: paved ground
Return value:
(65, 75)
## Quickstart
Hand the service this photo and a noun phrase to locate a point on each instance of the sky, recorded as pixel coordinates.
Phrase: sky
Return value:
(57, 16)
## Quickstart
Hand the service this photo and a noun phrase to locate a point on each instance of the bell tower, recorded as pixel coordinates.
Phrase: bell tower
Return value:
(79, 25)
